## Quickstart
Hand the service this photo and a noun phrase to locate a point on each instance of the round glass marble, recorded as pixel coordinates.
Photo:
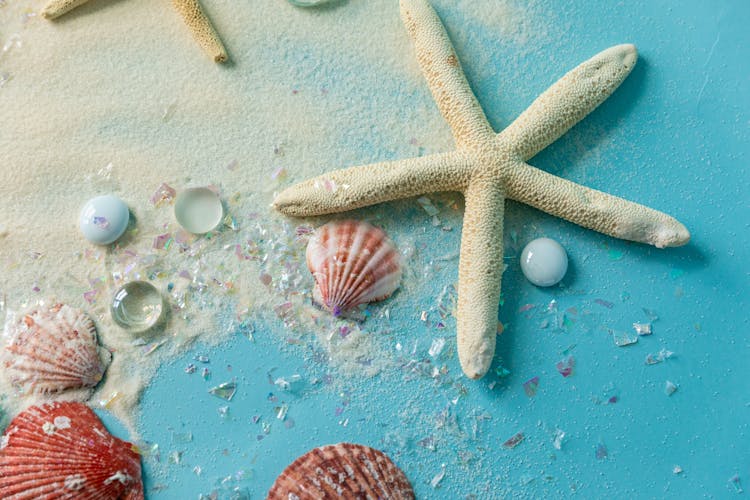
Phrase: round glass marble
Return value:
(198, 210)
(103, 219)
(544, 262)
(137, 306)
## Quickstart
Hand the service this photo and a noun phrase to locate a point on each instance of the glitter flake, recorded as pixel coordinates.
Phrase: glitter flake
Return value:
(224, 391)
(642, 328)
(623, 339)
(101, 222)
(514, 441)
(531, 386)
(566, 365)
(601, 451)
(669, 388)
(438, 478)
(735, 483)
(437, 347)
(653, 359)
(558, 440)
(163, 194)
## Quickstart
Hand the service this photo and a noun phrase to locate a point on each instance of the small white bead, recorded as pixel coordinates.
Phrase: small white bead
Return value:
(544, 262)
(103, 219)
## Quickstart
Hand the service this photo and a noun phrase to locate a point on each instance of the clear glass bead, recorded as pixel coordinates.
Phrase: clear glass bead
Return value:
(137, 306)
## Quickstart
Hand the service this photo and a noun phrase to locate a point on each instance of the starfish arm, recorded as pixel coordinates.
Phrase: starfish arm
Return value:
(480, 271)
(443, 73)
(201, 27)
(569, 100)
(594, 209)
(56, 8)
(366, 185)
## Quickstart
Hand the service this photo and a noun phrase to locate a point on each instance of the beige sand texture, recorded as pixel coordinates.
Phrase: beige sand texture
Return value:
(115, 97)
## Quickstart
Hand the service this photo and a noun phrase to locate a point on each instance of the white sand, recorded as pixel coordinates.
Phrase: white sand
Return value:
(116, 97)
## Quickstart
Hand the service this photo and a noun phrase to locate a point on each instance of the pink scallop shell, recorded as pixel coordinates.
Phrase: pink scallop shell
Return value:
(62, 450)
(353, 263)
(342, 470)
(51, 350)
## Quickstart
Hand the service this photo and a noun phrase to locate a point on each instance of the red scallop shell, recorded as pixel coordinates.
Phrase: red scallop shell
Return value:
(343, 470)
(353, 263)
(54, 349)
(62, 450)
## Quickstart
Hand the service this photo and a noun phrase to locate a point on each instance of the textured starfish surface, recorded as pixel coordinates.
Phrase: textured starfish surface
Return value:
(488, 168)
(191, 12)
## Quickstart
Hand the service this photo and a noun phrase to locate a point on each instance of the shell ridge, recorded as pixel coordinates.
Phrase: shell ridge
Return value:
(368, 459)
(53, 350)
(48, 363)
(365, 292)
(374, 289)
(329, 241)
(367, 487)
(28, 483)
(25, 494)
(323, 485)
(358, 275)
(44, 453)
(358, 249)
(49, 371)
(347, 234)
(332, 263)
(343, 260)
(342, 471)
(72, 451)
(383, 289)
(385, 255)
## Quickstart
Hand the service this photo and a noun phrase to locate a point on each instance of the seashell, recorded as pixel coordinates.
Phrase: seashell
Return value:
(353, 263)
(343, 470)
(51, 350)
(62, 450)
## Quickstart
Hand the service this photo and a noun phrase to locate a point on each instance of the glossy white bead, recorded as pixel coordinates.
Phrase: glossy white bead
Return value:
(544, 262)
(104, 219)
(198, 210)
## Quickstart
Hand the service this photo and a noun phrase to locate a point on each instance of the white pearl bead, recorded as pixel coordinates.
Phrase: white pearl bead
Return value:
(544, 262)
(103, 219)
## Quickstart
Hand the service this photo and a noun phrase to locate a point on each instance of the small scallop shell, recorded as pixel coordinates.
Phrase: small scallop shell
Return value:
(342, 470)
(51, 350)
(62, 450)
(353, 263)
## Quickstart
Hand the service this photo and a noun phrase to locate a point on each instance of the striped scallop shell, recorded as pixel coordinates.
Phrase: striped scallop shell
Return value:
(51, 350)
(353, 263)
(342, 470)
(62, 450)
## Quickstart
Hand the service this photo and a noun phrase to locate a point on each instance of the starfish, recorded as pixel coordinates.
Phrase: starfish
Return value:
(190, 10)
(489, 168)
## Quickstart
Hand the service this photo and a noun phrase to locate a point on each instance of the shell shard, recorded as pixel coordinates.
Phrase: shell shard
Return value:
(352, 263)
(342, 470)
(62, 450)
(54, 349)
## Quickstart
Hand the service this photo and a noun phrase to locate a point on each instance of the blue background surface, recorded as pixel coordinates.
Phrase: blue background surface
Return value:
(674, 137)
